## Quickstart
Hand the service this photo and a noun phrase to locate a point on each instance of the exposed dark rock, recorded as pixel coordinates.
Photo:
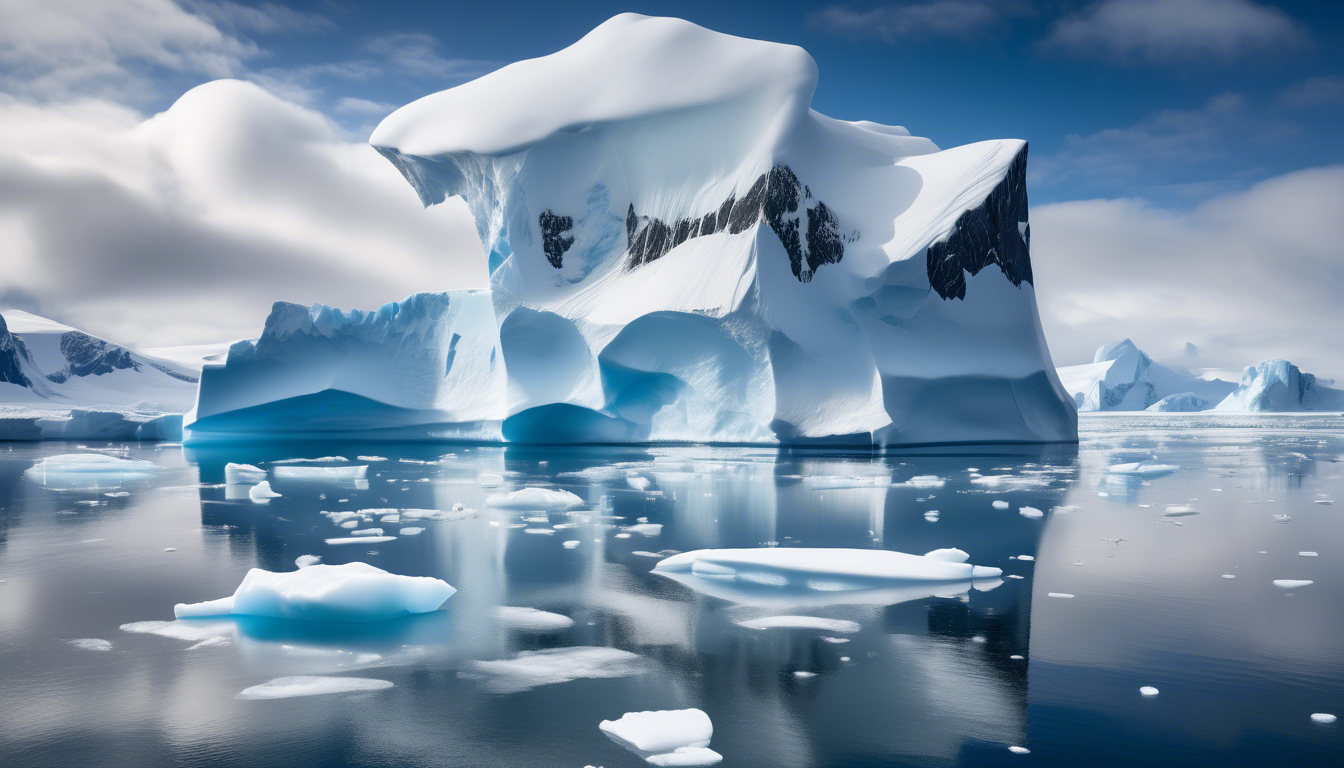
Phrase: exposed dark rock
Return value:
(12, 350)
(553, 239)
(175, 374)
(87, 356)
(994, 232)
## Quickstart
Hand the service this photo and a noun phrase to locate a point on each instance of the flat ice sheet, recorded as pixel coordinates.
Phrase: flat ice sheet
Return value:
(311, 685)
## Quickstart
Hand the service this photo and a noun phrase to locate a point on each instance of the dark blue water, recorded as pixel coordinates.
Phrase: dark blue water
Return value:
(1240, 664)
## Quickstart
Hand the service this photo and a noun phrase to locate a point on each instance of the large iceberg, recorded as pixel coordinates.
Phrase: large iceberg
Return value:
(1278, 385)
(349, 592)
(680, 249)
(1122, 377)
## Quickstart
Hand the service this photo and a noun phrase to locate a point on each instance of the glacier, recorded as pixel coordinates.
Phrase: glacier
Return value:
(1278, 385)
(680, 250)
(1122, 377)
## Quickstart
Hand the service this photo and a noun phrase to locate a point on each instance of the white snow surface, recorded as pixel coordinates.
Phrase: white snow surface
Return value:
(312, 685)
(348, 592)
(661, 731)
(680, 249)
(535, 498)
(239, 474)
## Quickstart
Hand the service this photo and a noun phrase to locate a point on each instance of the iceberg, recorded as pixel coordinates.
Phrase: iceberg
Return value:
(261, 493)
(1122, 377)
(240, 474)
(535, 498)
(321, 474)
(352, 592)
(72, 471)
(666, 737)
(1278, 385)
(680, 249)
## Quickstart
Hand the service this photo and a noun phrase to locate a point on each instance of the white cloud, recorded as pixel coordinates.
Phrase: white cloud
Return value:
(266, 18)
(417, 54)
(53, 48)
(1245, 277)
(889, 23)
(364, 107)
(1159, 31)
(1315, 92)
(185, 227)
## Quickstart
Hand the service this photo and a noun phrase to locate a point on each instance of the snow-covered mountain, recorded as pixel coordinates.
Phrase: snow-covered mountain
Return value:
(1278, 385)
(65, 367)
(680, 249)
(1122, 377)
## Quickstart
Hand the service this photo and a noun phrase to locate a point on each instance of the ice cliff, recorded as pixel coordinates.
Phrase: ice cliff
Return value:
(680, 249)
(1278, 385)
(1122, 377)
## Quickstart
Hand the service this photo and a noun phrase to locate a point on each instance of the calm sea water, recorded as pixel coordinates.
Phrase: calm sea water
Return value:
(955, 680)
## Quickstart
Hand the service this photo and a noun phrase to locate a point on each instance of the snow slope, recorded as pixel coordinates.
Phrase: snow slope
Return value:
(1121, 377)
(1278, 385)
(681, 249)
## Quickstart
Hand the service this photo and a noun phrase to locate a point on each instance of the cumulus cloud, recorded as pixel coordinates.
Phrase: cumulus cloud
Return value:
(1314, 92)
(186, 226)
(945, 18)
(1246, 276)
(1163, 31)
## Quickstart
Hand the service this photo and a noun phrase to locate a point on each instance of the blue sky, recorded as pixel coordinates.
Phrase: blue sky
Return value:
(1186, 170)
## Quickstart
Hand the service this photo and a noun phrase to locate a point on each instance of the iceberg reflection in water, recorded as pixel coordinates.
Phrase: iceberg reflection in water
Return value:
(550, 635)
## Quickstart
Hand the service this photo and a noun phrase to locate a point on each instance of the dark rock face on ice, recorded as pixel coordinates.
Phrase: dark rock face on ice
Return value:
(995, 232)
(809, 231)
(11, 351)
(87, 356)
(553, 239)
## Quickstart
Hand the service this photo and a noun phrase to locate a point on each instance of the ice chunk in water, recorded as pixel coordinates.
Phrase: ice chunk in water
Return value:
(531, 669)
(638, 483)
(1000, 504)
(87, 470)
(532, 619)
(951, 555)
(1324, 718)
(349, 592)
(311, 685)
(303, 561)
(871, 564)
(1292, 583)
(240, 474)
(535, 498)
(261, 493)
(1016, 750)
(412, 531)
(368, 532)
(802, 622)
(685, 756)
(1030, 512)
(656, 733)
(1148, 690)
(457, 513)
(91, 644)
(313, 474)
(1143, 469)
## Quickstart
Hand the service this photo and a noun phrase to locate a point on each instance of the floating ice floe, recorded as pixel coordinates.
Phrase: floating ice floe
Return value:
(535, 498)
(819, 624)
(243, 474)
(412, 531)
(261, 493)
(1148, 690)
(339, 542)
(572, 543)
(1001, 504)
(673, 737)
(349, 592)
(1016, 750)
(87, 471)
(1292, 583)
(304, 561)
(531, 619)
(834, 482)
(1143, 469)
(91, 644)
(808, 576)
(367, 532)
(312, 685)
(924, 481)
(1307, 554)
(638, 483)
(371, 458)
(532, 669)
(330, 474)
(318, 460)
(645, 529)
(1325, 718)
(439, 515)
(1064, 595)
(1030, 512)
(1179, 511)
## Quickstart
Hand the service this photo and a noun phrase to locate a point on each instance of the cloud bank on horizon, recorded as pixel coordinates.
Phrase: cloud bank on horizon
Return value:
(184, 226)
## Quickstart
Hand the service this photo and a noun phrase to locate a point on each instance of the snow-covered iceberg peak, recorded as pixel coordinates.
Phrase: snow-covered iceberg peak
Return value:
(1122, 377)
(1278, 385)
(682, 249)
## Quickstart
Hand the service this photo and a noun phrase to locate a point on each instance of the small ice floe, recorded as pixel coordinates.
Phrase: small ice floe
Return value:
(1064, 595)
(1282, 518)
(261, 493)
(1148, 690)
(535, 498)
(1016, 750)
(317, 460)
(1307, 554)
(645, 529)
(319, 474)
(1143, 469)
(87, 470)
(1001, 504)
(117, 494)
(837, 482)
(638, 483)
(349, 524)
(540, 531)
(389, 519)
(666, 737)
(312, 685)
(1031, 513)
(1011, 482)
(489, 480)
(531, 619)
(340, 542)
(371, 458)
(1229, 576)
(1324, 718)
(924, 481)
(1292, 583)
(91, 644)
(804, 674)
(412, 531)
(170, 549)
(572, 543)
(1028, 558)
(458, 512)
(1179, 511)
(1323, 501)
(931, 515)
(348, 592)
(531, 669)
(367, 532)
(243, 474)
(816, 623)
(1017, 657)
(303, 561)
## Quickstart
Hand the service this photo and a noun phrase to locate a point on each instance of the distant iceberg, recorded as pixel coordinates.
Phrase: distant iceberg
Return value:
(1122, 377)
(1278, 385)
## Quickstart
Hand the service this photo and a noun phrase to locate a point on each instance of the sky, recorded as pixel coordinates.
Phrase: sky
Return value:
(169, 168)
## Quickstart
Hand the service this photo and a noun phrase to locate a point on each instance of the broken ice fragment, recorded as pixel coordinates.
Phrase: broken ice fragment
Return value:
(311, 685)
